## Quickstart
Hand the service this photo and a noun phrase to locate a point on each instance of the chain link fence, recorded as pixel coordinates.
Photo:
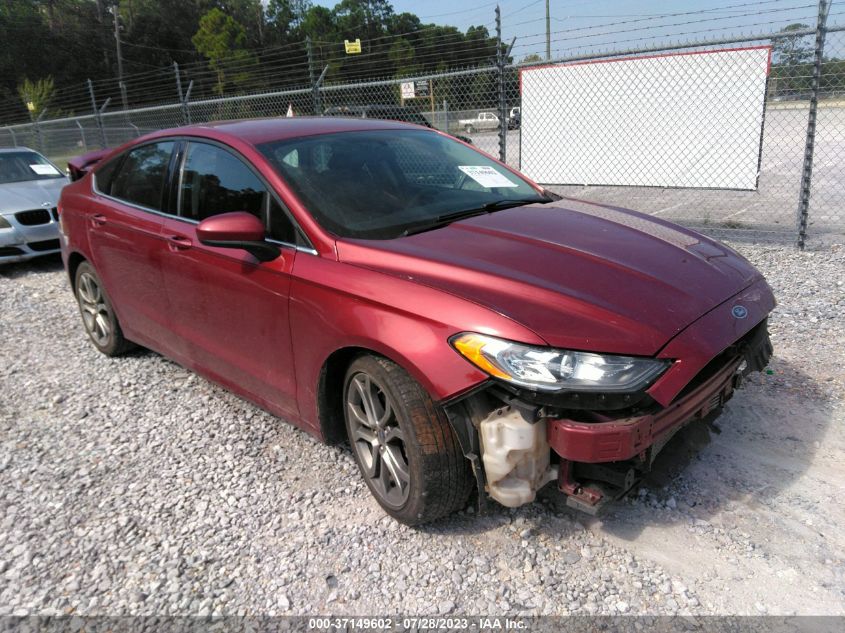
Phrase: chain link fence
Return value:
(728, 136)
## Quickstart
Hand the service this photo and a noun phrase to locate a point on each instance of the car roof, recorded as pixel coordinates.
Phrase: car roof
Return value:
(257, 131)
(6, 150)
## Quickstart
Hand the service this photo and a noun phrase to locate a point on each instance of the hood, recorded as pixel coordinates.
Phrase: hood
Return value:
(30, 194)
(582, 276)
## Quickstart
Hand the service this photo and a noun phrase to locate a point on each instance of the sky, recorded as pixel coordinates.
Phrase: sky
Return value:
(580, 26)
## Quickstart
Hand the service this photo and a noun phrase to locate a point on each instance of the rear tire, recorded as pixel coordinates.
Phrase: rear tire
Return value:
(98, 317)
(469, 129)
(405, 447)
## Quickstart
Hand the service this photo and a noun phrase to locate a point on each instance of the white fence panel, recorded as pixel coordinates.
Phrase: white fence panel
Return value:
(678, 120)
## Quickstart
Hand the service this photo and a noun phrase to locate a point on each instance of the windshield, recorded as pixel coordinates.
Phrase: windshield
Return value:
(23, 165)
(381, 184)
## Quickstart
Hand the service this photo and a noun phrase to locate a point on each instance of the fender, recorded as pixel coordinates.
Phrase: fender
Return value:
(334, 305)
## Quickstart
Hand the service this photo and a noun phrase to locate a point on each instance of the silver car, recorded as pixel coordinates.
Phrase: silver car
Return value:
(29, 191)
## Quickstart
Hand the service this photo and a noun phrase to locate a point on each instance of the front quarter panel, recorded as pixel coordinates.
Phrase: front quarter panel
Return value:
(710, 335)
(336, 305)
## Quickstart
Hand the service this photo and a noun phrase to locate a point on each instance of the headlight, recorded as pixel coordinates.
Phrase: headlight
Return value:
(549, 369)
(4, 223)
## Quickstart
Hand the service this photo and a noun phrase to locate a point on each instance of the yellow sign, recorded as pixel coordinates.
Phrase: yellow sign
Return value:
(352, 48)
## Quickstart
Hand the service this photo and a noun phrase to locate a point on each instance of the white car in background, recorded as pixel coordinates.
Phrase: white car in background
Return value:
(481, 121)
(29, 192)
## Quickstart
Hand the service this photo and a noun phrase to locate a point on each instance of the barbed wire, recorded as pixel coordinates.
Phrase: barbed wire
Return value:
(284, 65)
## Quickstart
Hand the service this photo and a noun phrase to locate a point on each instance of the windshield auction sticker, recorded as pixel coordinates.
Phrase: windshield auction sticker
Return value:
(44, 170)
(486, 176)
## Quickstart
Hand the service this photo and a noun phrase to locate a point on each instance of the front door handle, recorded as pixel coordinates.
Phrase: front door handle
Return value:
(98, 219)
(179, 243)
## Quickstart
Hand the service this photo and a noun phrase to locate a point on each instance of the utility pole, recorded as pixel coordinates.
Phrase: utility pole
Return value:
(101, 35)
(116, 14)
(548, 33)
(261, 24)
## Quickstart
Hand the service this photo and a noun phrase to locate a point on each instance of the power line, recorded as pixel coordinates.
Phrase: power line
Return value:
(471, 10)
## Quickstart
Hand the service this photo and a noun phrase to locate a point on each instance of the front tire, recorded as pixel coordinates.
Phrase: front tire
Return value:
(98, 317)
(405, 447)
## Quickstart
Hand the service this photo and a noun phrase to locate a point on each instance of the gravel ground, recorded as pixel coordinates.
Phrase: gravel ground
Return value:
(131, 486)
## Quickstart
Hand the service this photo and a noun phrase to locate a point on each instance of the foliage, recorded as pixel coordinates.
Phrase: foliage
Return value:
(793, 49)
(791, 75)
(221, 40)
(215, 42)
(36, 95)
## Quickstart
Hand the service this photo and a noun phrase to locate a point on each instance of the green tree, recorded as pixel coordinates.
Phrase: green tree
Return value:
(36, 95)
(366, 19)
(402, 55)
(221, 39)
(319, 24)
(215, 42)
(157, 32)
(792, 54)
(793, 49)
(287, 15)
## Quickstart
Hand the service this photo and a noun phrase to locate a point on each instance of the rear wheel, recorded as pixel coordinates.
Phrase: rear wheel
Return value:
(469, 129)
(99, 318)
(403, 443)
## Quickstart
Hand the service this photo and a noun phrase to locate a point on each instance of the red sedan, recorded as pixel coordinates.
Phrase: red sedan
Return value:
(386, 284)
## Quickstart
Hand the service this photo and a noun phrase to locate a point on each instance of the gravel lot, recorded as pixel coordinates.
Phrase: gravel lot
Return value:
(132, 486)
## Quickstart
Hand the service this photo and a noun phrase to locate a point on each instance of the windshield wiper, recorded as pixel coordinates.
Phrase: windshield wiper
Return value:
(490, 207)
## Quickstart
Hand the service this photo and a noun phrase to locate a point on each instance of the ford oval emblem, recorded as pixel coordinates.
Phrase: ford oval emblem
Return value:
(739, 312)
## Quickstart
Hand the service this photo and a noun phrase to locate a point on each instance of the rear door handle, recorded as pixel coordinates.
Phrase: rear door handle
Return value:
(98, 219)
(179, 243)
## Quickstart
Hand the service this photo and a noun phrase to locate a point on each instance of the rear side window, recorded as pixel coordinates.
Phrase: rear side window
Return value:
(141, 177)
(105, 175)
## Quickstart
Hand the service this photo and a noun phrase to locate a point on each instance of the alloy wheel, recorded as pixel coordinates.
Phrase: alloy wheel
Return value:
(95, 311)
(378, 439)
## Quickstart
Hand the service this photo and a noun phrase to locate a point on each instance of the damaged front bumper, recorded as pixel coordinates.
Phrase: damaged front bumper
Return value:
(620, 440)
(626, 448)
(516, 448)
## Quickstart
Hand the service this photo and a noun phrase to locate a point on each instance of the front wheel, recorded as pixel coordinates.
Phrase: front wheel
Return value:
(99, 318)
(404, 446)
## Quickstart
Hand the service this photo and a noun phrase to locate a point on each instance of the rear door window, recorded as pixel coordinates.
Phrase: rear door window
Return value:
(142, 175)
(104, 176)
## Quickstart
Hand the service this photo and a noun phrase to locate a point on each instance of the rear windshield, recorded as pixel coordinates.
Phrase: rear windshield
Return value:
(24, 165)
(381, 184)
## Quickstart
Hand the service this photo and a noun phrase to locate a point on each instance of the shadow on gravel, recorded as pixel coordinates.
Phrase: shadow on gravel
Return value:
(761, 445)
(45, 264)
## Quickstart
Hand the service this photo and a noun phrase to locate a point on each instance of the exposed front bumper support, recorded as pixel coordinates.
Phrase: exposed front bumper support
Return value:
(621, 440)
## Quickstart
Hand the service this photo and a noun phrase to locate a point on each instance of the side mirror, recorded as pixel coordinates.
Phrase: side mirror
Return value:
(238, 229)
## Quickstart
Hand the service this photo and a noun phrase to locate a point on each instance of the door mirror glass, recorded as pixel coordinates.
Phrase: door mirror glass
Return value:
(238, 229)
